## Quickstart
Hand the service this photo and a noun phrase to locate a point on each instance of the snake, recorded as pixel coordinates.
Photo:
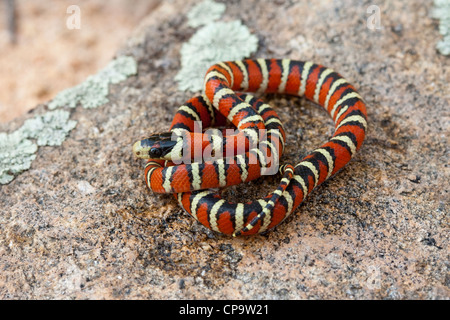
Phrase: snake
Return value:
(176, 159)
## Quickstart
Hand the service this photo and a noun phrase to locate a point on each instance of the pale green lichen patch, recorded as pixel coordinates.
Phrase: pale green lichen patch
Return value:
(94, 91)
(215, 42)
(441, 11)
(205, 12)
(17, 151)
(49, 129)
(16, 155)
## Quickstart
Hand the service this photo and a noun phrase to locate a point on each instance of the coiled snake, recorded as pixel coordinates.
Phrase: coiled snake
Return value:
(247, 154)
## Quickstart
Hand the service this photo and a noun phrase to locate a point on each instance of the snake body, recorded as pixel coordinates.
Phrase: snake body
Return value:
(191, 183)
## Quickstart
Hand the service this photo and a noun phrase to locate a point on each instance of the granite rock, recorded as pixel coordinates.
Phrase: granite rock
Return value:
(81, 224)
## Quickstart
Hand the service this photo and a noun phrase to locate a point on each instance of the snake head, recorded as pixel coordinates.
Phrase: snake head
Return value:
(157, 146)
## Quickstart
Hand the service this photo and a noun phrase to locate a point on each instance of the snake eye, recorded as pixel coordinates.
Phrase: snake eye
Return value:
(155, 152)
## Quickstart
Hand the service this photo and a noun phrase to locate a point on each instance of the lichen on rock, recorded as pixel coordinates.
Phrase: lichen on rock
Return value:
(16, 155)
(93, 92)
(17, 151)
(49, 129)
(205, 12)
(441, 11)
(215, 42)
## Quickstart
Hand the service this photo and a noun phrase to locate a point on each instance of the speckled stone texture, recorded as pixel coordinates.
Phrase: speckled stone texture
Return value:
(81, 224)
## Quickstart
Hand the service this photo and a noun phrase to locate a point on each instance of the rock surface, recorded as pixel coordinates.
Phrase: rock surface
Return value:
(32, 74)
(81, 224)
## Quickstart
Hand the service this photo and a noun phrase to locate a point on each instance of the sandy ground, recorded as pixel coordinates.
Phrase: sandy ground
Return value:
(49, 57)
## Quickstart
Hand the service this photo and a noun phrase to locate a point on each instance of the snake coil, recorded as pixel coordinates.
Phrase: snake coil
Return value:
(192, 182)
